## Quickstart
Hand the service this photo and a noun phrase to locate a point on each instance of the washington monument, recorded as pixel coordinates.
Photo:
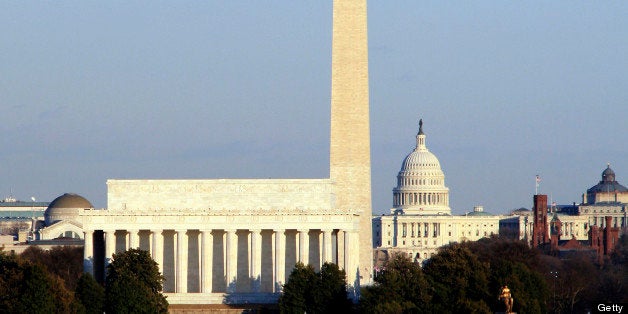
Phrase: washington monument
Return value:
(350, 153)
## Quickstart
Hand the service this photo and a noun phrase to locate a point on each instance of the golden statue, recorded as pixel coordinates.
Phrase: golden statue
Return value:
(507, 298)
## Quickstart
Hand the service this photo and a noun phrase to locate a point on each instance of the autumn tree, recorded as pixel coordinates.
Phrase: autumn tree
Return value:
(27, 287)
(134, 284)
(66, 262)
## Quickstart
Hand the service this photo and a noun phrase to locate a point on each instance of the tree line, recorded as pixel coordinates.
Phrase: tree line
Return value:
(468, 278)
(53, 281)
(460, 278)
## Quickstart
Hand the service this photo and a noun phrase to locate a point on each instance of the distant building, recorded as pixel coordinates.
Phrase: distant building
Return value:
(12, 208)
(608, 198)
(539, 229)
(421, 221)
(20, 216)
(42, 224)
(61, 218)
(594, 226)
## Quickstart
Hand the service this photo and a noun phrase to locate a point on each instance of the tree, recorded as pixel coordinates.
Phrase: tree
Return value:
(322, 292)
(297, 292)
(516, 264)
(459, 280)
(90, 294)
(134, 284)
(35, 292)
(66, 262)
(11, 275)
(27, 287)
(332, 290)
(400, 287)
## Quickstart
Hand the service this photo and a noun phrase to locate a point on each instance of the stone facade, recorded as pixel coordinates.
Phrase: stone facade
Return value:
(236, 240)
(350, 152)
(420, 236)
(229, 240)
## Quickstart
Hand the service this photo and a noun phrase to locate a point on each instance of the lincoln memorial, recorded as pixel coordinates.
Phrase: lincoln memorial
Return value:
(237, 240)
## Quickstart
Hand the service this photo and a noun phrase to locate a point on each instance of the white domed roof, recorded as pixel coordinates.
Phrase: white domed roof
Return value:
(420, 159)
(421, 182)
(420, 162)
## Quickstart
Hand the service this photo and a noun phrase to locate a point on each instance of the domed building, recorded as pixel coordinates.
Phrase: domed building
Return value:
(603, 205)
(421, 183)
(420, 220)
(608, 190)
(61, 218)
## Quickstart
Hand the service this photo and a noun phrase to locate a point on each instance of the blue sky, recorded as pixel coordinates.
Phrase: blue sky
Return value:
(240, 89)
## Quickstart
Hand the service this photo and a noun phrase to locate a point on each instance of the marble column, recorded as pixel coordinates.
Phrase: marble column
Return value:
(88, 252)
(304, 246)
(158, 249)
(110, 245)
(207, 255)
(256, 260)
(231, 259)
(280, 258)
(348, 266)
(182, 262)
(327, 257)
(134, 239)
(352, 243)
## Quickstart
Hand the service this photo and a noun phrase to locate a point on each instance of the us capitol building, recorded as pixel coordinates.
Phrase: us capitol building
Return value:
(421, 221)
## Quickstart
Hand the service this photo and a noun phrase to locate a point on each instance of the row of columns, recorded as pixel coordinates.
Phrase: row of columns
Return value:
(411, 181)
(230, 249)
(420, 199)
(417, 234)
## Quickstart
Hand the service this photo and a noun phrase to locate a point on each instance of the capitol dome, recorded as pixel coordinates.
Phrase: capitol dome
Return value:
(421, 182)
(65, 207)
